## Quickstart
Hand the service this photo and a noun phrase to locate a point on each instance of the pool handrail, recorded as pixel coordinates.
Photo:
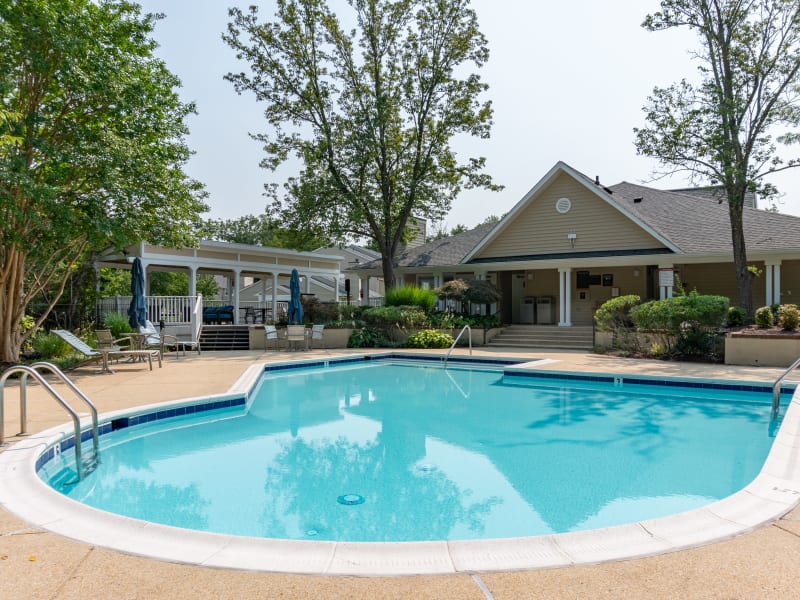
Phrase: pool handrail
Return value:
(455, 341)
(76, 422)
(776, 388)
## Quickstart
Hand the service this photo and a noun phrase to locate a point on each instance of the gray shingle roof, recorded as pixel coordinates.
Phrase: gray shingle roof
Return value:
(439, 253)
(699, 226)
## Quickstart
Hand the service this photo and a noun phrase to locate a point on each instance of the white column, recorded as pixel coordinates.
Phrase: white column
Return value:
(308, 284)
(236, 285)
(274, 297)
(776, 285)
(146, 279)
(564, 297)
(364, 285)
(193, 281)
(768, 278)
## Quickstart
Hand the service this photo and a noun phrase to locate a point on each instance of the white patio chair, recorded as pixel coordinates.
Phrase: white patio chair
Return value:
(271, 335)
(316, 334)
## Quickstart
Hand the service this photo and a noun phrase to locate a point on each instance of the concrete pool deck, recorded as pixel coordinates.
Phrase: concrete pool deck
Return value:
(38, 564)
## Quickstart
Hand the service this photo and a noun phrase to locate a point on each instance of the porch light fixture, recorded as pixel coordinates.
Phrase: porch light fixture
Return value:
(572, 237)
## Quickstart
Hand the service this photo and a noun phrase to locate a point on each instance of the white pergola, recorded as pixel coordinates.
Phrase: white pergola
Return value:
(233, 261)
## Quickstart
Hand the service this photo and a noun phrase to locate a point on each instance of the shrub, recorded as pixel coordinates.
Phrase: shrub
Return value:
(118, 324)
(614, 313)
(429, 338)
(368, 337)
(788, 316)
(736, 316)
(410, 295)
(28, 323)
(49, 346)
(391, 316)
(764, 317)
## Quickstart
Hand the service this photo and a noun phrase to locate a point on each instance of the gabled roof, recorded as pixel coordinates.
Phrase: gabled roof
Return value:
(561, 167)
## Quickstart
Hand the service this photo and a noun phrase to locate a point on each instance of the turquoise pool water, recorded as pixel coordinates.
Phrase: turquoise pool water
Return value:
(394, 452)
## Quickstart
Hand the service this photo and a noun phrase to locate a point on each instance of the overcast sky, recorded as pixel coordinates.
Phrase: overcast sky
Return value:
(567, 80)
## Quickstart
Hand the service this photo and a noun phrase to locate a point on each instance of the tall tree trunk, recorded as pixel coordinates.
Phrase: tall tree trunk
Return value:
(388, 271)
(10, 309)
(744, 278)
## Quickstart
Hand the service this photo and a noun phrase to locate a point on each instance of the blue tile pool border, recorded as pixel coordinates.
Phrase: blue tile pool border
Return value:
(118, 423)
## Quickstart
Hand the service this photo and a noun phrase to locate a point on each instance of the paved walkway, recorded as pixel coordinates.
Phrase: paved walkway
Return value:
(37, 564)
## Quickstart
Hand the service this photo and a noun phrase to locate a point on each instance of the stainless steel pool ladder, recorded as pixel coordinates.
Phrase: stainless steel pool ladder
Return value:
(83, 464)
(776, 388)
(458, 337)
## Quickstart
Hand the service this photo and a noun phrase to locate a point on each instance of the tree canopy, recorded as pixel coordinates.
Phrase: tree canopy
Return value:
(261, 230)
(91, 146)
(369, 111)
(734, 127)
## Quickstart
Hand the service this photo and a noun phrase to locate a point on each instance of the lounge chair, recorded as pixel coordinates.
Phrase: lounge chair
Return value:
(105, 353)
(316, 334)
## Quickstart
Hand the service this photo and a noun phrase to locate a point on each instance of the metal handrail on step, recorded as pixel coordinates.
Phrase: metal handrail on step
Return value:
(776, 388)
(463, 329)
(32, 371)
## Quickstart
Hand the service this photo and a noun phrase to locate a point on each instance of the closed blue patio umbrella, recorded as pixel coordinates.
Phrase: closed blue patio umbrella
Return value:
(295, 311)
(137, 311)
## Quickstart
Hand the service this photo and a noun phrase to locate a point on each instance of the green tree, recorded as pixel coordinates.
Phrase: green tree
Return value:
(261, 230)
(93, 146)
(727, 129)
(369, 112)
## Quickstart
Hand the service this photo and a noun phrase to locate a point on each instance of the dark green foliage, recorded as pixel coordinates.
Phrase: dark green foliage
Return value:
(448, 320)
(98, 133)
(614, 316)
(788, 317)
(686, 325)
(117, 323)
(764, 317)
(736, 316)
(410, 295)
(49, 345)
(367, 337)
(429, 338)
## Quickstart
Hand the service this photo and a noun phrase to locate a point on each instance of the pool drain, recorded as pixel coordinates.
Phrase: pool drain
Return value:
(350, 499)
(426, 468)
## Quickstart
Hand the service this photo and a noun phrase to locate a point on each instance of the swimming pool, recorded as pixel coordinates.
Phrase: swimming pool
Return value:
(387, 451)
(440, 444)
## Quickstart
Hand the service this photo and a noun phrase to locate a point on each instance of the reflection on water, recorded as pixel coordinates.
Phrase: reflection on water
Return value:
(435, 455)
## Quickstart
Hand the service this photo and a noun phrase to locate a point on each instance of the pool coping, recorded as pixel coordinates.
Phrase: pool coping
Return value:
(774, 492)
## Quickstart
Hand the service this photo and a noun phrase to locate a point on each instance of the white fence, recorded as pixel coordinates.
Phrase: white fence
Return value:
(170, 309)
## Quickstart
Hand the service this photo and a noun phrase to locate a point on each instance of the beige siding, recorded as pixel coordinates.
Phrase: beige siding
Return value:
(720, 279)
(540, 229)
(790, 282)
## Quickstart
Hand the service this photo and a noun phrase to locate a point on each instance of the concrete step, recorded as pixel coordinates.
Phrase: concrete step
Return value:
(545, 336)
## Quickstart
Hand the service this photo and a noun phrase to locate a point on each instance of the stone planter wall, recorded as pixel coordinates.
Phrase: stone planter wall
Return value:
(762, 350)
(337, 338)
(333, 338)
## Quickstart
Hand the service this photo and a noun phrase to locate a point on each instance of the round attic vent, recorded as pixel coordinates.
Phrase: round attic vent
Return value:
(563, 205)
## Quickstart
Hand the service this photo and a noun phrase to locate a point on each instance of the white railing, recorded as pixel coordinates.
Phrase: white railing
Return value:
(170, 309)
(197, 319)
